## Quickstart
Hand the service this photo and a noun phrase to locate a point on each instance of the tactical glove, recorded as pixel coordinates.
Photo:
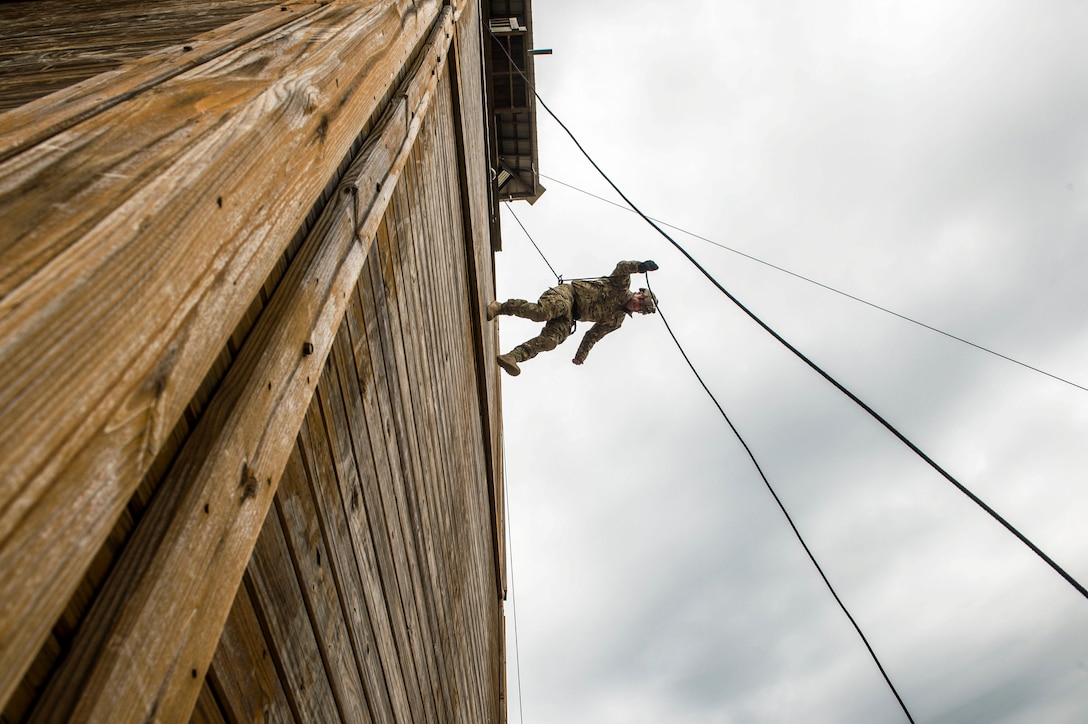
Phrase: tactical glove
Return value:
(646, 266)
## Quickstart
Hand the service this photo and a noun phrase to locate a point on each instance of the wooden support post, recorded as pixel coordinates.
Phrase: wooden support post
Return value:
(147, 643)
(136, 233)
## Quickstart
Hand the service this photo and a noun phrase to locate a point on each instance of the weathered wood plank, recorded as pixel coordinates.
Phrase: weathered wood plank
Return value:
(243, 671)
(478, 212)
(440, 271)
(430, 450)
(384, 521)
(470, 473)
(312, 561)
(420, 345)
(472, 140)
(282, 610)
(445, 268)
(404, 558)
(192, 545)
(443, 408)
(431, 497)
(87, 399)
(412, 325)
(377, 358)
(466, 477)
(366, 297)
(362, 381)
(30, 688)
(413, 517)
(345, 471)
(342, 503)
(207, 709)
(444, 384)
(53, 44)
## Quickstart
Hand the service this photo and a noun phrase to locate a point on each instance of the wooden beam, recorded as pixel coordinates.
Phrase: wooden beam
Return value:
(134, 240)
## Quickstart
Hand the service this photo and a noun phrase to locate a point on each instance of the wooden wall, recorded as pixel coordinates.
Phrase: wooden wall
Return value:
(375, 583)
(389, 610)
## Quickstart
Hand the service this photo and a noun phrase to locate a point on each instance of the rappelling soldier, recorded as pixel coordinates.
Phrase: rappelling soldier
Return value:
(606, 301)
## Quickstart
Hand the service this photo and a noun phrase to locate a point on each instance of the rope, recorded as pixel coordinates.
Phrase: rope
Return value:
(782, 507)
(558, 277)
(530, 238)
(816, 368)
(829, 288)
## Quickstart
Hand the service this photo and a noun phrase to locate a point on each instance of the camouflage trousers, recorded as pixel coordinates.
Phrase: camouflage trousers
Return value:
(554, 308)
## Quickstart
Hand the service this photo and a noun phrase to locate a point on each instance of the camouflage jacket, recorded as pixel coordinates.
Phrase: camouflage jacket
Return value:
(601, 301)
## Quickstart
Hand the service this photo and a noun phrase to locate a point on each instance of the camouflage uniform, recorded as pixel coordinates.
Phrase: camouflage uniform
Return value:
(591, 300)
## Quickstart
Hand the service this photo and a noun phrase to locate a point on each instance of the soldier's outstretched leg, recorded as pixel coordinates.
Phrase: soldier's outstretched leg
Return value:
(554, 332)
(556, 302)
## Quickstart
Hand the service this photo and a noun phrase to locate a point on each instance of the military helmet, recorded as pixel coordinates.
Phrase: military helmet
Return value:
(649, 301)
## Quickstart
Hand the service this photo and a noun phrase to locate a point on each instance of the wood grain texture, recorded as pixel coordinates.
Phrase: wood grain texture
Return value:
(134, 241)
(188, 554)
(419, 310)
(321, 592)
(369, 528)
(48, 45)
(306, 678)
(394, 498)
(131, 51)
(243, 671)
(207, 709)
(338, 497)
(478, 211)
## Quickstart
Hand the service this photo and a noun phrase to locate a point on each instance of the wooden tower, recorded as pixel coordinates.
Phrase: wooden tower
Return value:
(250, 436)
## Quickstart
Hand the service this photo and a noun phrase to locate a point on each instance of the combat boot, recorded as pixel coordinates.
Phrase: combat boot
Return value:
(508, 363)
(493, 310)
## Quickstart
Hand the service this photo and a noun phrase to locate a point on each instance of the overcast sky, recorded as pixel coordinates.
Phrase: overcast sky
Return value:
(930, 157)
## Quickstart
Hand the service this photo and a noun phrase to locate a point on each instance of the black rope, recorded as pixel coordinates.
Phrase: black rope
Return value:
(887, 425)
(827, 287)
(782, 507)
(530, 238)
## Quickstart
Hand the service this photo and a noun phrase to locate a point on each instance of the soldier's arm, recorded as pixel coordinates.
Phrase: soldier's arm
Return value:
(625, 269)
(592, 337)
(621, 275)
